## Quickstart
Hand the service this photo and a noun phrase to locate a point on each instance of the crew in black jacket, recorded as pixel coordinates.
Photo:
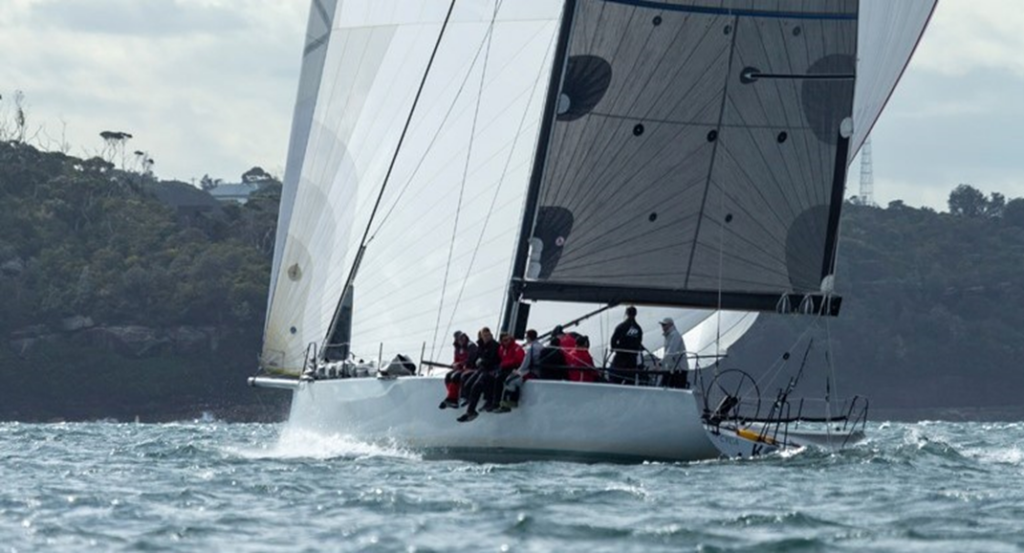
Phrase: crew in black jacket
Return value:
(487, 361)
(627, 342)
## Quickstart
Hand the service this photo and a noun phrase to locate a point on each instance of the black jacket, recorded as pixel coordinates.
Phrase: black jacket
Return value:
(488, 357)
(552, 364)
(628, 336)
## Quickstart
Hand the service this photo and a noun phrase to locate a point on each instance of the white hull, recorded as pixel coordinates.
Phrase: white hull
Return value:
(754, 440)
(555, 420)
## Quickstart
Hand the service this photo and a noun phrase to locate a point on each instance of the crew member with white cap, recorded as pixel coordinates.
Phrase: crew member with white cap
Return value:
(674, 358)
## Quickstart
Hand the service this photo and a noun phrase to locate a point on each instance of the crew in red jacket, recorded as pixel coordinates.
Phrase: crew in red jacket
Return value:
(583, 363)
(512, 356)
(462, 367)
(569, 349)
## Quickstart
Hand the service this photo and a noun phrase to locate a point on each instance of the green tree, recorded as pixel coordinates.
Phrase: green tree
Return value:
(1013, 213)
(967, 201)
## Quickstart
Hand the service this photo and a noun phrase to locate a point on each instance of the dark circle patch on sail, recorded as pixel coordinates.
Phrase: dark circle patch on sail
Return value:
(553, 227)
(805, 249)
(586, 80)
(827, 102)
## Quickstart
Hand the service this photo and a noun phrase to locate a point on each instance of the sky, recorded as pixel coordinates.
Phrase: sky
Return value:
(208, 87)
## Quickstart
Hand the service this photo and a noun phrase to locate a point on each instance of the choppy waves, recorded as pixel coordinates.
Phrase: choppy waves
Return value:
(206, 485)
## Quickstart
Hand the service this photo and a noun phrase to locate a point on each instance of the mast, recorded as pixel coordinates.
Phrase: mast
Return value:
(514, 318)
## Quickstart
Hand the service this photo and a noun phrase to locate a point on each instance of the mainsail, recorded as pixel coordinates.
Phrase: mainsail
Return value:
(699, 150)
(696, 157)
(698, 154)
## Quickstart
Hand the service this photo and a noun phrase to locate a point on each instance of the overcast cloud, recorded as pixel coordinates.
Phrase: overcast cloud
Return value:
(207, 86)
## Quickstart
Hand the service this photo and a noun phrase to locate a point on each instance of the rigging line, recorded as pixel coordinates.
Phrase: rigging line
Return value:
(681, 66)
(387, 176)
(395, 116)
(792, 123)
(754, 182)
(776, 368)
(511, 316)
(610, 180)
(773, 177)
(557, 197)
(346, 92)
(721, 268)
(832, 371)
(465, 176)
(790, 91)
(440, 128)
(580, 198)
(582, 31)
(494, 200)
(714, 151)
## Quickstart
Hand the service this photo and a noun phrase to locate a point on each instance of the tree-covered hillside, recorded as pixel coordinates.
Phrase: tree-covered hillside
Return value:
(122, 295)
(932, 322)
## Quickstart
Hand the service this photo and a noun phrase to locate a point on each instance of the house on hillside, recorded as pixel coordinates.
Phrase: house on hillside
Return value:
(238, 193)
(187, 200)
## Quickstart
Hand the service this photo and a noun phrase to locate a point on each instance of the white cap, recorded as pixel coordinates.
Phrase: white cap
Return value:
(667, 321)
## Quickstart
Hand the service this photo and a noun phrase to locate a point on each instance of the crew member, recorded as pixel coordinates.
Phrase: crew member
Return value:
(529, 368)
(512, 357)
(583, 363)
(462, 367)
(674, 358)
(627, 342)
(487, 362)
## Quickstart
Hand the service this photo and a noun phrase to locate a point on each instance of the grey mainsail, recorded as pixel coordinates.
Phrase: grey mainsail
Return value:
(699, 154)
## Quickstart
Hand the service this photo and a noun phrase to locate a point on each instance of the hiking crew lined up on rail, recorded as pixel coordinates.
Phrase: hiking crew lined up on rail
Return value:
(496, 370)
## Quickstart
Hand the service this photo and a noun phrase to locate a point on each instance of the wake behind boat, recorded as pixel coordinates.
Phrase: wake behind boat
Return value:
(451, 160)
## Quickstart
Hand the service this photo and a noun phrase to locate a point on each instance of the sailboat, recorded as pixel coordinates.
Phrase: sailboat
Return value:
(456, 164)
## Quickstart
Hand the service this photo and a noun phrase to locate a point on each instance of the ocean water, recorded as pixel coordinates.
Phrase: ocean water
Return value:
(209, 486)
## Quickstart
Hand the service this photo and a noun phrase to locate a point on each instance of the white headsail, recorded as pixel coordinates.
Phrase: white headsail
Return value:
(477, 116)
(889, 33)
(715, 335)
